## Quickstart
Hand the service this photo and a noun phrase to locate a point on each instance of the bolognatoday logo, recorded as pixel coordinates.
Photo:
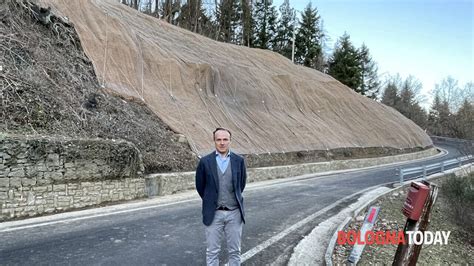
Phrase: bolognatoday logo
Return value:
(353, 237)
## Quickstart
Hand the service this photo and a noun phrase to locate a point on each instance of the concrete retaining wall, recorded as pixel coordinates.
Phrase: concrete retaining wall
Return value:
(170, 183)
(43, 175)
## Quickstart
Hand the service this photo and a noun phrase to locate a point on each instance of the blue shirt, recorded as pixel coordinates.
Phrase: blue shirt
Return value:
(223, 162)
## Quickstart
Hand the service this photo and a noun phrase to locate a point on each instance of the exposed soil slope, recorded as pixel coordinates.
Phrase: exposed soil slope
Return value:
(195, 84)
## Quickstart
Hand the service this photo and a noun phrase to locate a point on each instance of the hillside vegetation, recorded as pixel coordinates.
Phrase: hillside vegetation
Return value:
(49, 87)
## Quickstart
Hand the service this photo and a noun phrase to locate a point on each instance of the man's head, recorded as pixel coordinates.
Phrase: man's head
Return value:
(222, 138)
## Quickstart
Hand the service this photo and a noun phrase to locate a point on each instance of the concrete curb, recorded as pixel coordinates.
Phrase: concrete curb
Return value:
(332, 243)
(307, 252)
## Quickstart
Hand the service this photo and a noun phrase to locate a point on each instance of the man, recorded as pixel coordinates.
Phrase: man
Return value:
(220, 181)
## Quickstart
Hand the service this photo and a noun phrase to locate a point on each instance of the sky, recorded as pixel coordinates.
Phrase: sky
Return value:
(428, 39)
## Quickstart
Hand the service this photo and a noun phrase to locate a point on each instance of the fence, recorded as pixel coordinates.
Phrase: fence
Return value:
(432, 168)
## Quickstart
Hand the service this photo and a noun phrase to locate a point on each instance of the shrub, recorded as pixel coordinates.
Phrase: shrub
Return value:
(460, 194)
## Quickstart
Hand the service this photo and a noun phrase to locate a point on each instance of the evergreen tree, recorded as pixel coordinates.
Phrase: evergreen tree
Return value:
(309, 50)
(370, 84)
(228, 16)
(439, 118)
(408, 105)
(170, 10)
(419, 115)
(465, 121)
(247, 21)
(433, 116)
(285, 28)
(344, 64)
(390, 95)
(192, 16)
(402, 95)
(406, 100)
(265, 19)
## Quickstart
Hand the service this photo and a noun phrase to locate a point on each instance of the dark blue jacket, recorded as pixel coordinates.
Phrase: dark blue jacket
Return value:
(207, 184)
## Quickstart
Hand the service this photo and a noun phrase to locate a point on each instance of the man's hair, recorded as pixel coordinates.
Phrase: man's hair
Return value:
(221, 128)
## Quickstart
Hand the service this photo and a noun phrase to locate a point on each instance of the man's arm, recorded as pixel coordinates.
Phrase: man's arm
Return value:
(244, 175)
(200, 178)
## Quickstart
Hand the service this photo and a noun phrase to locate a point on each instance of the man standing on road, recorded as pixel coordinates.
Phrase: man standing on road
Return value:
(220, 181)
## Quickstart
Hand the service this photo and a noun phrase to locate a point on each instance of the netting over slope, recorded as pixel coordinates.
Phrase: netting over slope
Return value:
(195, 84)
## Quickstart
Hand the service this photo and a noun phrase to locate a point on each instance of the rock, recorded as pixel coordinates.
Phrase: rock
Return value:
(359, 218)
(395, 194)
(182, 138)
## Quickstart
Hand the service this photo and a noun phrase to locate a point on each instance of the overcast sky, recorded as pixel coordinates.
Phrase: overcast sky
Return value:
(429, 39)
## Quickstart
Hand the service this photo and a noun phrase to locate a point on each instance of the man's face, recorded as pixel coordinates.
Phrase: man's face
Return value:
(222, 141)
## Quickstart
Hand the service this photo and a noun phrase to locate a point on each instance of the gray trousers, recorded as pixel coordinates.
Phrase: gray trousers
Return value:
(228, 224)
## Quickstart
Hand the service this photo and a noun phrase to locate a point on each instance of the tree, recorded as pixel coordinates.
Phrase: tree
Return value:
(247, 21)
(309, 40)
(465, 120)
(170, 10)
(228, 18)
(449, 91)
(191, 15)
(390, 95)
(156, 13)
(344, 64)
(439, 118)
(285, 29)
(370, 84)
(135, 4)
(265, 19)
(402, 95)
(408, 105)
(469, 92)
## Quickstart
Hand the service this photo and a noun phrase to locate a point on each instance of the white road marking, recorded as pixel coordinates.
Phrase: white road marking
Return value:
(252, 252)
(187, 196)
(9, 229)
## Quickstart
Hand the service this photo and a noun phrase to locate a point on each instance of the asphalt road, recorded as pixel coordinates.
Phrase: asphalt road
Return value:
(173, 234)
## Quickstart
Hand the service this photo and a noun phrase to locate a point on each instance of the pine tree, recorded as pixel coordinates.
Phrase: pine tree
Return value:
(309, 50)
(439, 118)
(465, 120)
(285, 28)
(370, 84)
(406, 100)
(247, 21)
(170, 10)
(390, 95)
(344, 64)
(265, 19)
(408, 105)
(191, 15)
(228, 16)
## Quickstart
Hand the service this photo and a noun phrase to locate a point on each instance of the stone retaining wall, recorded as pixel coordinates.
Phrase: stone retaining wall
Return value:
(170, 183)
(43, 175)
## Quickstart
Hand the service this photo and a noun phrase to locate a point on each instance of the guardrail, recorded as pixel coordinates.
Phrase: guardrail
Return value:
(425, 168)
(453, 140)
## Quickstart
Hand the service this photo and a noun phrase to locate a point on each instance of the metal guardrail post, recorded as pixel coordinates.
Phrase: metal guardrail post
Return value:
(424, 171)
(401, 176)
(442, 166)
(460, 162)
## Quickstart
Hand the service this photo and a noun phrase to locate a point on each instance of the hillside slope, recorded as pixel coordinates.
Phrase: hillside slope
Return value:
(195, 84)
(48, 87)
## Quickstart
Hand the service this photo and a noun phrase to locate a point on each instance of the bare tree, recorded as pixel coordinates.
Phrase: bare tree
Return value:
(449, 90)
